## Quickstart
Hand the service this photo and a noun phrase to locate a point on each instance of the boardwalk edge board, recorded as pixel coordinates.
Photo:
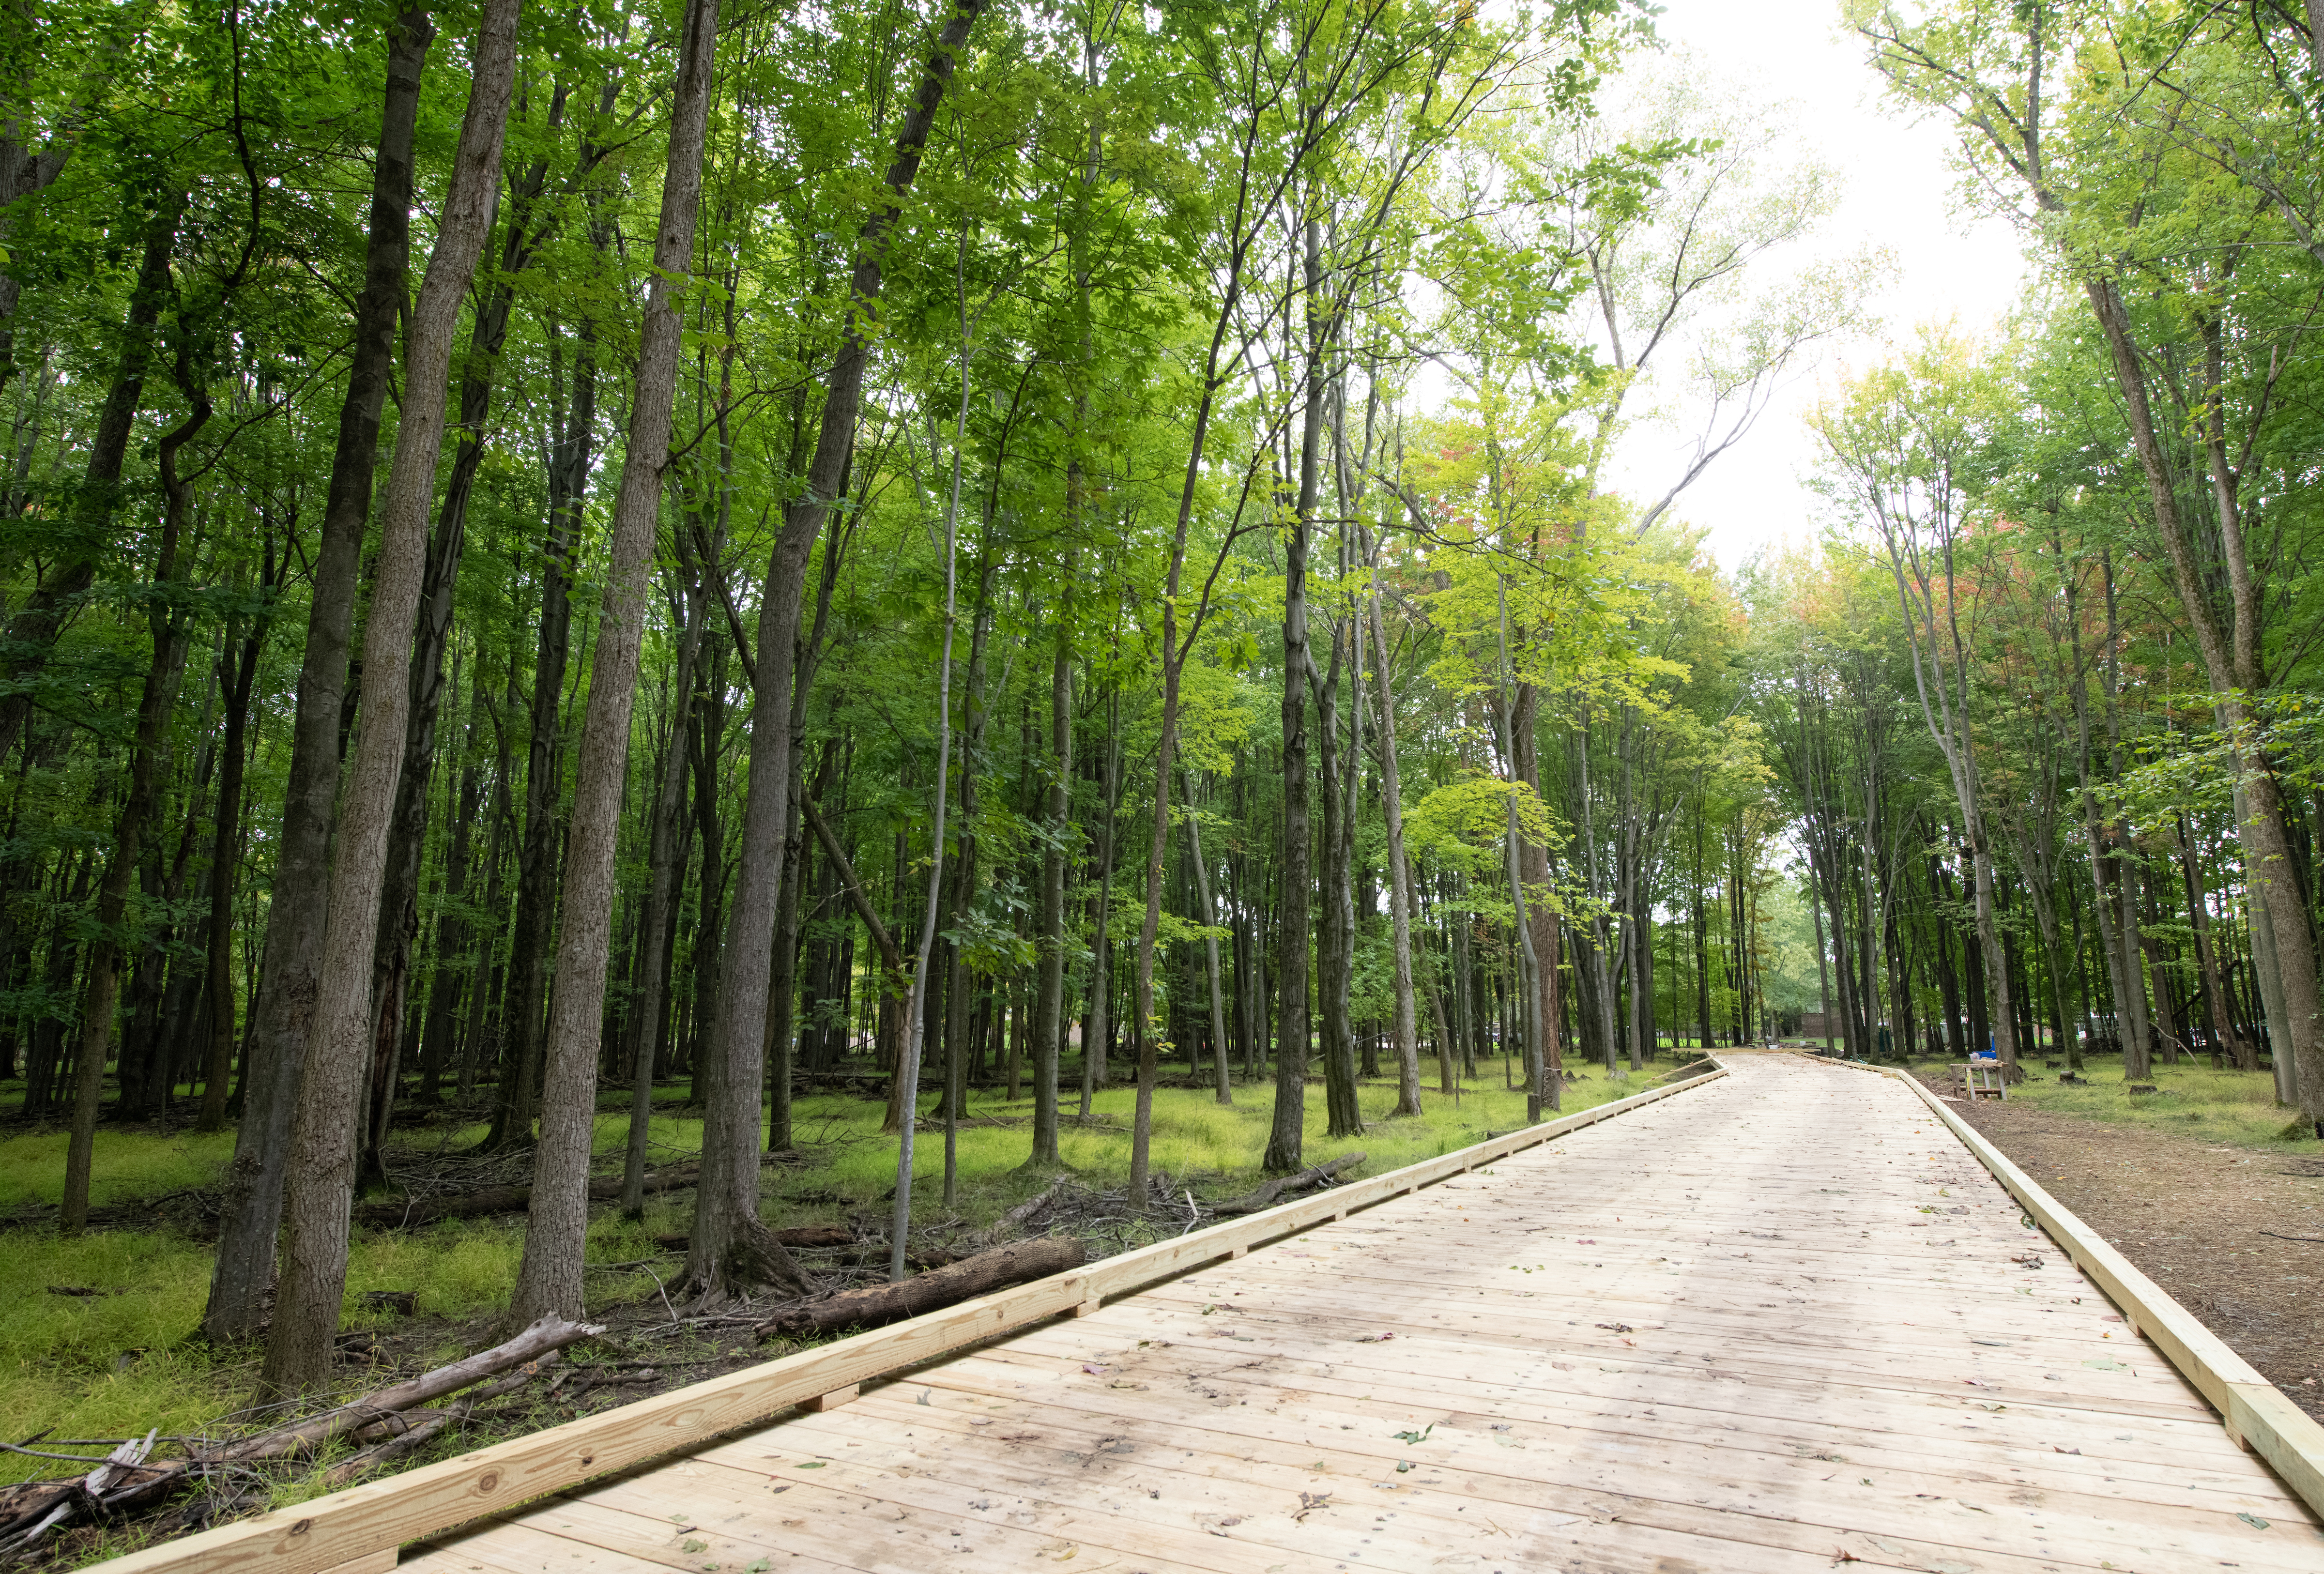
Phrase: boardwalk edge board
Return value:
(358, 1530)
(2255, 1412)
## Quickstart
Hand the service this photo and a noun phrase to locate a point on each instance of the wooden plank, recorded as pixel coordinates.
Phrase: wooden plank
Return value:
(378, 1562)
(331, 1530)
(341, 1526)
(1725, 1431)
(1147, 1469)
(1701, 1470)
(2274, 1428)
(1871, 1427)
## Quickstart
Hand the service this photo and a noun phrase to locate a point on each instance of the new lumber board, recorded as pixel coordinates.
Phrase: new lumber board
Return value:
(2256, 1413)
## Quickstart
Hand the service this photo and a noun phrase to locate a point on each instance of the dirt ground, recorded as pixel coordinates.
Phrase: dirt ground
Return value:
(2196, 1219)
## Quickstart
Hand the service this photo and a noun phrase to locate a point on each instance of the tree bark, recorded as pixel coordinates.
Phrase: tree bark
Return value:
(548, 1280)
(1399, 890)
(1049, 1008)
(1210, 950)
(730, 1246)
(225, 859)
(431, 636)
(283, 1014)
(544, 775)
(664, 867)
(1286, 1133)
(100, 990)
(322, 1140)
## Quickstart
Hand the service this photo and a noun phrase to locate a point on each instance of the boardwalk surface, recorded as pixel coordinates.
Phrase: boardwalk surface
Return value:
(1781, 1321)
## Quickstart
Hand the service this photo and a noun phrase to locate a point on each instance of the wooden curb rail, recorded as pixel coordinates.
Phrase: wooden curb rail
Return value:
(2256, 1413)
(358, 1531)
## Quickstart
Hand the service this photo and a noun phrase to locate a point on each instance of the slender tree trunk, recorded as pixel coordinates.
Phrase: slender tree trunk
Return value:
(544, 777)
(1286, 1134)
(226, 858)
(481, 986)
(728, 1243)
(100, 988)
(1529, 960)
(284, 1011)
(548, 1280)
(1210, 916)
(1399, 889)
(453, 930)
(322, 1141)
(1049, 1010)
(664, 865)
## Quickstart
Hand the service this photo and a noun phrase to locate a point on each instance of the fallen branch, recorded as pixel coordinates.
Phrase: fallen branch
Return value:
(29, 1512)
(409, 1438)
(1025, 1211)
(980, 1274)
(1283, 1186)
(798, 1236)
(488, 1200)
(419, 1211)
(550, 1334)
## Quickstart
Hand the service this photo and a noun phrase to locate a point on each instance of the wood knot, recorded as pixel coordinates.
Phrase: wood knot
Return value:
(488, 1481)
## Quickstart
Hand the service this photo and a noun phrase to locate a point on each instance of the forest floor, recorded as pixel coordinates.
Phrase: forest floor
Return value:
(2199, 1188)
(97, 1333)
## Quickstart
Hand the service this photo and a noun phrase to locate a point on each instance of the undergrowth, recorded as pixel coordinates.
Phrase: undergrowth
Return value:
(122, 1361)
(2231, 1107)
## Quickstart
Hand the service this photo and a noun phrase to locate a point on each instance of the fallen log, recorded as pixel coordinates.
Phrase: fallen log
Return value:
(491, 1200)
(980, 1274)
(798, 1236)
(550, 1334)
(1284, 1185)
(125, 1480)
(419, 1211)
(406, 1432)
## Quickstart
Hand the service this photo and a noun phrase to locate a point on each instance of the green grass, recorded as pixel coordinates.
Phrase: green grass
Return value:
(126, 1166)
(2238, 1109)
(107, 1366)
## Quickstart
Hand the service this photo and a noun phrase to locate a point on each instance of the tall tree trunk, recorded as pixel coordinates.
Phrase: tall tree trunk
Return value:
(100, 988)
(2231, 662)
(665, 867)
(544, 777)
(957, 1014)
(548, 1280)
(1286, 1134)
(283, 1013)
(1399, 870)
(322, 1137)
(1210, 920)
(1336, 935)
(1049, 1008)
(431, 635)
(1097, 1035)
(454, 933)
(225, 859)
(481, 987)
(729, 1245)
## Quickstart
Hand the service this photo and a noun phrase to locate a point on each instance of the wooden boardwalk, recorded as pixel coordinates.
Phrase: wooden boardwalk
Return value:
(1779, 1321)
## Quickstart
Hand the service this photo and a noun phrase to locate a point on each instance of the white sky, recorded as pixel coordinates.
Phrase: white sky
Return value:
(1900, 194)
